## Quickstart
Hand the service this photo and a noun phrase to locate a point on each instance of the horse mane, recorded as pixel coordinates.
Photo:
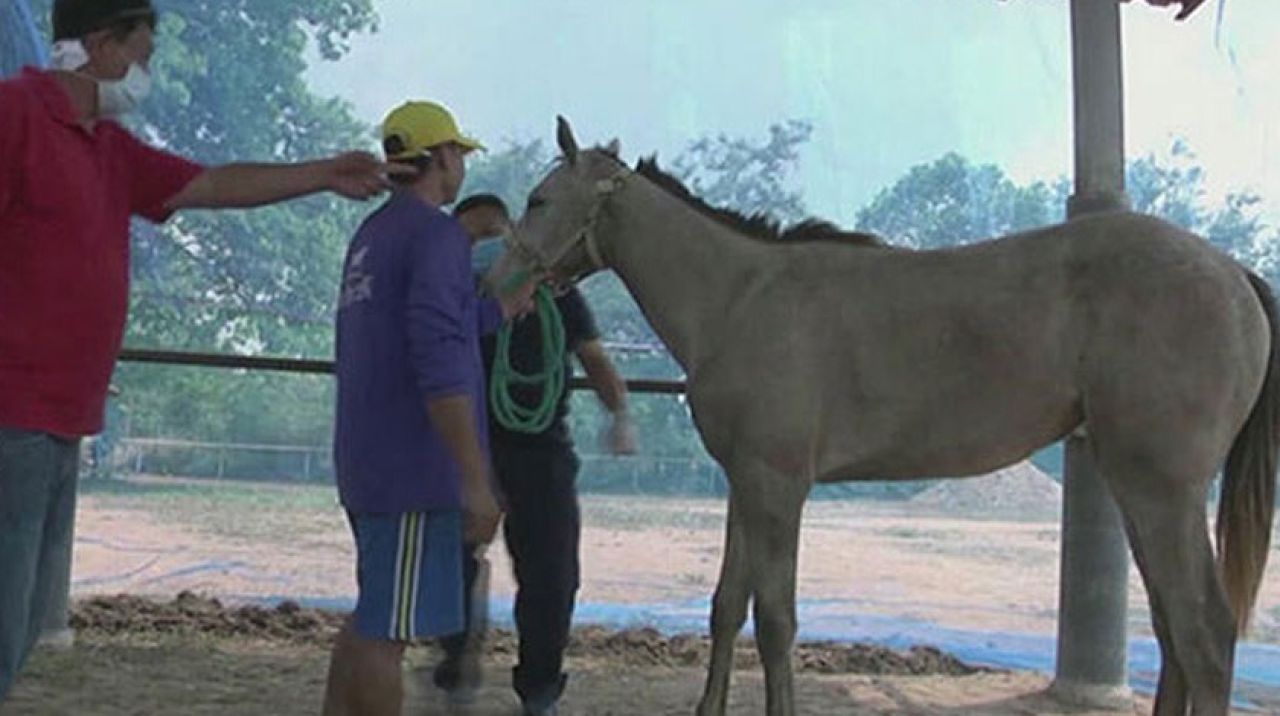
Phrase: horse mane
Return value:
(759, 225)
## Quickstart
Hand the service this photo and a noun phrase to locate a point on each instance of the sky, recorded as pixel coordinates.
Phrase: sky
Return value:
(886, 84)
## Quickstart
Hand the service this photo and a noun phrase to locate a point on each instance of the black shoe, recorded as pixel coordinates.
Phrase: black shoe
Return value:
(459, 677)
(448, 674)
(542, 701)
(548, 710)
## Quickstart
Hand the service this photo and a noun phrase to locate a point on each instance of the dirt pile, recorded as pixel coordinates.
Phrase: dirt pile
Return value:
(640, 647)
(189, 613)
(1018, 491)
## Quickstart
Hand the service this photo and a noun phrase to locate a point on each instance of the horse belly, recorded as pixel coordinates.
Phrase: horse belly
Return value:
(952, 427)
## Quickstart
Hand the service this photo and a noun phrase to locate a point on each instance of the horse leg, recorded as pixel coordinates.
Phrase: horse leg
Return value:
(1171, 690)
(772, 507)
(1164, 509)
(728, 612)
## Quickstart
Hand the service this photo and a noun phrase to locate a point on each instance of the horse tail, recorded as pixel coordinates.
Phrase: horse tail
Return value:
(1246, 506)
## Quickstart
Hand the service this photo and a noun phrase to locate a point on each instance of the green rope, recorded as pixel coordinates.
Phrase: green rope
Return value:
(506, 409)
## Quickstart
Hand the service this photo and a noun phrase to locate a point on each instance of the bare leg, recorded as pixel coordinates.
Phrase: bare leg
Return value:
(364, 677)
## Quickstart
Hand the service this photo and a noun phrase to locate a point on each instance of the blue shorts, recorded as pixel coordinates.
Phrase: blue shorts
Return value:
(409, 572)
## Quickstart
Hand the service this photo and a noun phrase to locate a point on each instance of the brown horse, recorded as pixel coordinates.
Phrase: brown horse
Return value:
(814, 355)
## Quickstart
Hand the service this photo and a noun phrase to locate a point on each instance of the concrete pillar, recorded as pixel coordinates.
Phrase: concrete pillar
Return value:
(1093, 590)
(1092, 667)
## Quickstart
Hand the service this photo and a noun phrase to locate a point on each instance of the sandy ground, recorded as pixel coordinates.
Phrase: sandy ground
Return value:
(225, 677)
(194, 656)
(270, 541)
(245, 542)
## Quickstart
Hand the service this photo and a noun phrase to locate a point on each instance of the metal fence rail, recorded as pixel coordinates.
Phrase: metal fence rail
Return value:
(323, 367)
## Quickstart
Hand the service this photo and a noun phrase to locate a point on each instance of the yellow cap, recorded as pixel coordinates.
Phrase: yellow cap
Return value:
(414, 127)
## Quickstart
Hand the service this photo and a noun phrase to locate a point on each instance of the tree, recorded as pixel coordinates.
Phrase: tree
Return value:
(951, 201)
(1173, 188)
(510, 172)
(746, 175)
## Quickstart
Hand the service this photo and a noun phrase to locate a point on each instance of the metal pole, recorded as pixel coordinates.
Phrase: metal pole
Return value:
(1093, 587)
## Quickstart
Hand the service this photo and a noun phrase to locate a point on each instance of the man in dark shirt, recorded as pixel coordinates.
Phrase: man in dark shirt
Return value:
(536, 474)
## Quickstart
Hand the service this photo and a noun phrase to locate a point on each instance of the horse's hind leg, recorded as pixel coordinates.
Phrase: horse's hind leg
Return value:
(1171, 690)
(1162, 498)
(728, 612)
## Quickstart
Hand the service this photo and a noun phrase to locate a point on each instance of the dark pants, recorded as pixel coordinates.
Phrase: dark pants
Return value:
(37, 513)
(542, 529)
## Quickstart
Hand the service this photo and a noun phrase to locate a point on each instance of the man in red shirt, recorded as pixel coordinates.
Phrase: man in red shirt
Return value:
(70, 179)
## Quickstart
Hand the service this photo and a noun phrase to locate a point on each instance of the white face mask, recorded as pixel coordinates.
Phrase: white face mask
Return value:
(122, 96)
(115, 97)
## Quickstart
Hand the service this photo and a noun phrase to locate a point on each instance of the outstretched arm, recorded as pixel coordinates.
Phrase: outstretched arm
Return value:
(355, 175)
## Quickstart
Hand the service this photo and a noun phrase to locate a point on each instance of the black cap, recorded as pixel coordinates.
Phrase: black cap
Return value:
(73, 19)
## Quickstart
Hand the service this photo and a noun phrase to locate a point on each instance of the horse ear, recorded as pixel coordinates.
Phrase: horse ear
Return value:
(613, 148)
(564, 137)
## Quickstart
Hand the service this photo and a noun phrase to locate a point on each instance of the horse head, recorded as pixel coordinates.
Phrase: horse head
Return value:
(556, 234)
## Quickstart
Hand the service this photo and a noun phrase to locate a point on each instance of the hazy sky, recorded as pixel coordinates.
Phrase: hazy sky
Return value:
(886, 83)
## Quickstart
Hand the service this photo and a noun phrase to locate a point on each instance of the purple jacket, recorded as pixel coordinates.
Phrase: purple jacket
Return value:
(408, 332)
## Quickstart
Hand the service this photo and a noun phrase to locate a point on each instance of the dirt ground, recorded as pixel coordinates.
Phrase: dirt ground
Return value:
(922, 561)
(201, 677)
(240, 543)
(192, 655)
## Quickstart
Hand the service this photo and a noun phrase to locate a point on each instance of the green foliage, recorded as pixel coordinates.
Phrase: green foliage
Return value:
(510, 172)
(746, 175)
(1174, 188)
(951, 201)
(229, 87)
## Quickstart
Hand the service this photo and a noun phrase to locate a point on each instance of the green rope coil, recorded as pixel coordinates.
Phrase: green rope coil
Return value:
(506, 410)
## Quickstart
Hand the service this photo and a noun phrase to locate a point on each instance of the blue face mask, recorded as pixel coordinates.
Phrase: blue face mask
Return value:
(484, 254)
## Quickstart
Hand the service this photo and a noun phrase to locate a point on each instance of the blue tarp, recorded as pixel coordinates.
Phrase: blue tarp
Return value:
(20, 41)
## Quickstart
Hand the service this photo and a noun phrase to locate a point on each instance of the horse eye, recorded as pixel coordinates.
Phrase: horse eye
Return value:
(535, 202)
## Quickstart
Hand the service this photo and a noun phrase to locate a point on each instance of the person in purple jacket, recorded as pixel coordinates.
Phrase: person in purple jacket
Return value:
(410, 443)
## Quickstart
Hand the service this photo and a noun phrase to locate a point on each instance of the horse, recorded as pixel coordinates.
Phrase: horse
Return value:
(814, 355)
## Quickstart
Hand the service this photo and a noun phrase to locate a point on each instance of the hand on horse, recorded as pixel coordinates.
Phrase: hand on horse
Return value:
(519, 301)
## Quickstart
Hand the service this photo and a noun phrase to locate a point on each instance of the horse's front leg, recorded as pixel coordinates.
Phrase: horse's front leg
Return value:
(767, 507)
(728, 612)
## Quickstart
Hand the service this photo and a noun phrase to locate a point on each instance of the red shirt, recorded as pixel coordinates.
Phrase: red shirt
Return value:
(66, 195)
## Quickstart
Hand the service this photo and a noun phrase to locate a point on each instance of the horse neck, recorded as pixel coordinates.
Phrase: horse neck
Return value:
(681, 267)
